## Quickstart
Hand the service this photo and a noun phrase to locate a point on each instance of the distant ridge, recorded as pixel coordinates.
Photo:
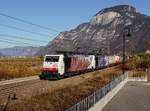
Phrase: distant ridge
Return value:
(1, 54)
(20, 51)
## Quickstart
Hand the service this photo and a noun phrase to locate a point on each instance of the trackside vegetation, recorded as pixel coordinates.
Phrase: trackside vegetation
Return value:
(137, 64)
(141, 60)
(63, 98)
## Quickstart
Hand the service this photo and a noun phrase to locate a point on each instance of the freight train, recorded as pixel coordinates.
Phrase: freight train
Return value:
(64, 65)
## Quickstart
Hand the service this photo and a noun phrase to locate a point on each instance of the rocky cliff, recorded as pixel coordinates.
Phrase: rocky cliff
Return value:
(103, 33)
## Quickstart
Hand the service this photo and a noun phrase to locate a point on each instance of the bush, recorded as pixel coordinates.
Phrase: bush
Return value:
(141, 60)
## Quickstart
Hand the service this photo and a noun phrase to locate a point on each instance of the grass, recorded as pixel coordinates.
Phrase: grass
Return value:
(61, 99)
(19, 67)
(137, 73)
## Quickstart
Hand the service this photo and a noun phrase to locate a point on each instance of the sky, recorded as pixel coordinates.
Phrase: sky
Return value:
(59, 15)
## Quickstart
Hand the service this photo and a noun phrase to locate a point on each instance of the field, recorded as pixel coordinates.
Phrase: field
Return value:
(67, 95)
(19, 67)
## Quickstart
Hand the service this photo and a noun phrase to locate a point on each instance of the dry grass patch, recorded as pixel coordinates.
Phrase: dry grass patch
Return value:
(19, 67)
(137, 73)
(61, 99)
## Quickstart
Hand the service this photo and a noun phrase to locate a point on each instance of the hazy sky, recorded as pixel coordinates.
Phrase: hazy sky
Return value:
(60, 15)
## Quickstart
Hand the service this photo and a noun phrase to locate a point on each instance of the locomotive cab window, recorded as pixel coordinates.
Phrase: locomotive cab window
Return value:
(52, 58)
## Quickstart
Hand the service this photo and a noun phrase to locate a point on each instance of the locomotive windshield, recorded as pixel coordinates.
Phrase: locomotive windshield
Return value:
(52, 58)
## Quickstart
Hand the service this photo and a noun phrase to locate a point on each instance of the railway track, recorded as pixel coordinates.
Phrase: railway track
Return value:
(17, 80)
(10, 92)
(10, 87)
(15, 86)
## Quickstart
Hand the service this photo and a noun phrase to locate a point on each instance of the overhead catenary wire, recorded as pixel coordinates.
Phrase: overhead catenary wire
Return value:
(15, 41)
(18, 42)
(22, 38)
(16, 28)
(28, 22)
(9, 42)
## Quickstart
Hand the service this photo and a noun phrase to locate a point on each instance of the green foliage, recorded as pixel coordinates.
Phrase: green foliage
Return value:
(141, 60)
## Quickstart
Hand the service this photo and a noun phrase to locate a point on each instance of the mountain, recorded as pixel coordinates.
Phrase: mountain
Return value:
(1, 54)
(103, 33)
(20, 51)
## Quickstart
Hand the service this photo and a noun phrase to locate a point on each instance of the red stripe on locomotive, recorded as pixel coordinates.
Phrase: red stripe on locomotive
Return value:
(54, 69)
